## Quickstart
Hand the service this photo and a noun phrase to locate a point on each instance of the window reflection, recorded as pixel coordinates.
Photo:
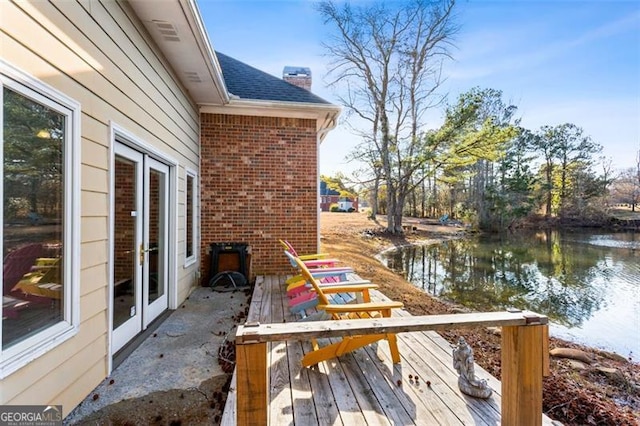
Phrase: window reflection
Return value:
(33, 211)
(125, 260)
(156, 235)
(189, 224)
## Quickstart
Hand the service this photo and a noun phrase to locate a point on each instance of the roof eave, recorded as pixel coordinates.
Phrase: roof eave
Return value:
(206, 48)
(326, 115)
(189, 52)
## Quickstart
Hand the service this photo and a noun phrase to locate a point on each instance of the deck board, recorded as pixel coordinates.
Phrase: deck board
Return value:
(362, 387)
(325, 405)
(280, 390)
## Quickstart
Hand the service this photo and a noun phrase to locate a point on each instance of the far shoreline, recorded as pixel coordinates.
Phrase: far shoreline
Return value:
(458, 307)
(461, 234)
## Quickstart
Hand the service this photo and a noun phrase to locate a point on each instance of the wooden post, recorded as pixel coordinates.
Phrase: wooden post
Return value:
(252, 386)
(523, 365)
(546, 366)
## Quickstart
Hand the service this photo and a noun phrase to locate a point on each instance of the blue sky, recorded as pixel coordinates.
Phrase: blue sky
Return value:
(558, 61)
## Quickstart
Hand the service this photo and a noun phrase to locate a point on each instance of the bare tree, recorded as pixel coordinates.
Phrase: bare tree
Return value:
(370, 176)
(387, 58)
(626, 188)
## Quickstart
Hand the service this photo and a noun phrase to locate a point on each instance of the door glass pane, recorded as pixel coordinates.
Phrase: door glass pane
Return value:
(157, 243)
(33, 220)
(124, 257)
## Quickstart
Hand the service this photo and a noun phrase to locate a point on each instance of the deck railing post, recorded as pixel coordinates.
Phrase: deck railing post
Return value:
(251, 384)
(524, 362)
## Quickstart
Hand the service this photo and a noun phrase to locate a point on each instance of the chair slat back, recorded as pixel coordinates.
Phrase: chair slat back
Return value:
(292, 258)
(290, 248)
(306, 274)
(284, 244)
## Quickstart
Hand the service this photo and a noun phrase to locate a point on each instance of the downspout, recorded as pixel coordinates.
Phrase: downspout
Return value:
(329, 124)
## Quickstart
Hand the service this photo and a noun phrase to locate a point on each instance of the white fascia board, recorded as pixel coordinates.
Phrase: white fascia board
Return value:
(195, 20)
(326, 115)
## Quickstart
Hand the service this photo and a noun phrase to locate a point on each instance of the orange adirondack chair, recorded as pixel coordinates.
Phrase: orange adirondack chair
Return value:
(366, 309)
(17, 263)
(316, 260)
(301, 295)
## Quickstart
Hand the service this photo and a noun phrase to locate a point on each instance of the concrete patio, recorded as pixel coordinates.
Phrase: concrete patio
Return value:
(180, 354)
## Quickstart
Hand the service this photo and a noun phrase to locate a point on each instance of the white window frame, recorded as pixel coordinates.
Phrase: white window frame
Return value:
(190, 260)
(22, 353)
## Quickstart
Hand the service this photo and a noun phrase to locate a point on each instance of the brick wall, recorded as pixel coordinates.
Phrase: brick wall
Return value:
(258, 184)
(300, 81)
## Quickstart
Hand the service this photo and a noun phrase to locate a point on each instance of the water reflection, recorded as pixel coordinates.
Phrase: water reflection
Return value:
(574, 279)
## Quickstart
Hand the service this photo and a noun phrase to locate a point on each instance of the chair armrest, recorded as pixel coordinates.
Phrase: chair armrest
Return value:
(337, 276)
(330, 272)
(347, 288)
(360, 307)
(47, 261)
(316, 256)
(320, 263)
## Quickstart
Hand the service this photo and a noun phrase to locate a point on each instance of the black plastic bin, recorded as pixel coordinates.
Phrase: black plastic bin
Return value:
(229, 257)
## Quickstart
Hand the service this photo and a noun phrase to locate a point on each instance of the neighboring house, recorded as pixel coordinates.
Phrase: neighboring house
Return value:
(329, 197)
(348, 204)
(137, 146)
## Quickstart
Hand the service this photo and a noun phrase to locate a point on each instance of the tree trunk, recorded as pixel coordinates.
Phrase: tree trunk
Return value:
(434, 202)
(424, 198)
(391, 201)
(549, 187)
(563, 186)
(414, 203)
(398, 214)
(478, 195)
(374, 196)
(33, 195)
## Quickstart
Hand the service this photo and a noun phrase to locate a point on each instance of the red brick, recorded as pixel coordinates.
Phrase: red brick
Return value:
(258, 184)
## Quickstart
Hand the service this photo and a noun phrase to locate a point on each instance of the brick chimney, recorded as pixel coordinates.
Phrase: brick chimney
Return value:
(298, 76)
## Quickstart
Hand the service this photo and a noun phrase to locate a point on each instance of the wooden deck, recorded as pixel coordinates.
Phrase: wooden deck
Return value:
(364, 387)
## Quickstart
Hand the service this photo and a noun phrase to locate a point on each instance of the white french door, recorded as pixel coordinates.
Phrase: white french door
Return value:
(141, 237)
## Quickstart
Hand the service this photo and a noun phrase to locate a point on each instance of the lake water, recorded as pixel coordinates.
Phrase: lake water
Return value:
(588, 284)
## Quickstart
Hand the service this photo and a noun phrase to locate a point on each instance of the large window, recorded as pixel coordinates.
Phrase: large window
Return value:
(39, 128)
(190, 214)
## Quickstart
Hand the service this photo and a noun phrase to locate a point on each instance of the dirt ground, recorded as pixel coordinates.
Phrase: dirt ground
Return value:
(605, 391)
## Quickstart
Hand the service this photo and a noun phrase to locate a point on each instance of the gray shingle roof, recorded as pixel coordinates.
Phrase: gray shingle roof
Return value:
(250, 83)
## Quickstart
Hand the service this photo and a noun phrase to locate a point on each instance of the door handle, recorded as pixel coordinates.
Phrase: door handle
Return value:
(143, 251)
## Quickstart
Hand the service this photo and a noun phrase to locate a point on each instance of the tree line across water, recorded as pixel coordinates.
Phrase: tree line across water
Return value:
(480, 166)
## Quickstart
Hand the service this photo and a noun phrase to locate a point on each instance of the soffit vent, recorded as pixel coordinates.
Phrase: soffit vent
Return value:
(193, 77)
(167, 30)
